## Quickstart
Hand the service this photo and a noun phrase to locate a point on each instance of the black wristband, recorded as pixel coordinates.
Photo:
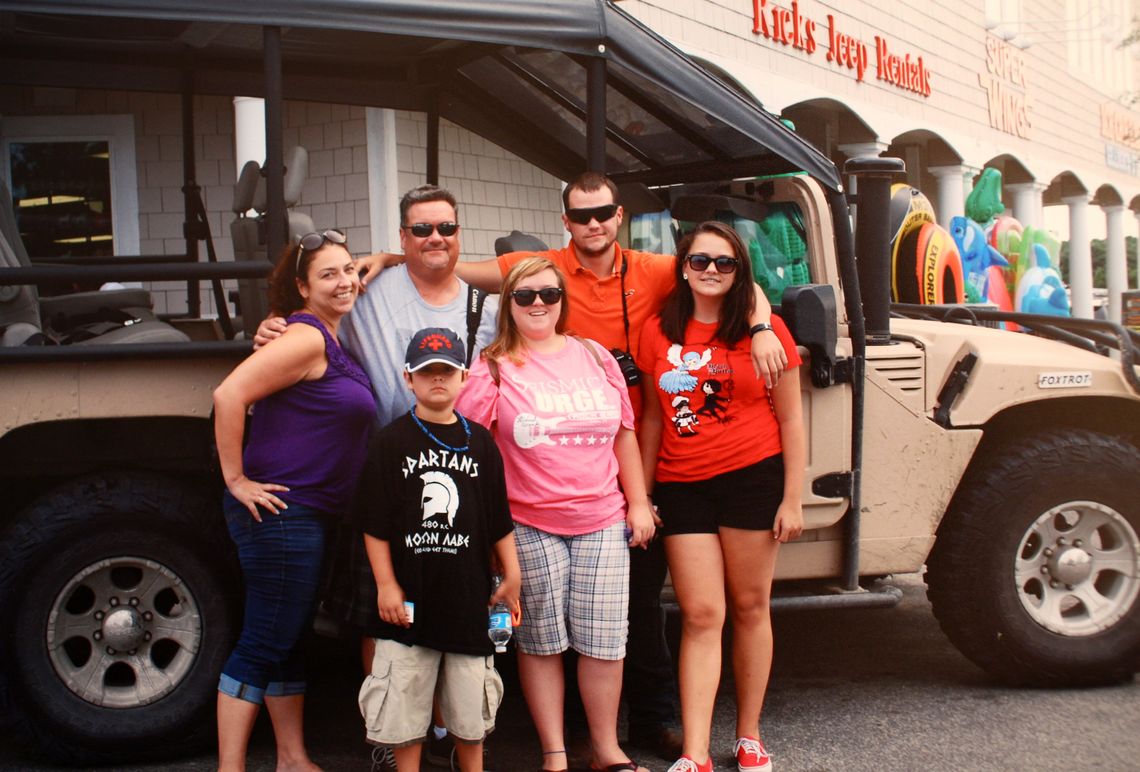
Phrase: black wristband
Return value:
(761, 327)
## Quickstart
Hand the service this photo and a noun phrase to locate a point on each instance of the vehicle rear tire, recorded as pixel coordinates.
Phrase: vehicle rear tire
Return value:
(1035, 574)
(122, 598)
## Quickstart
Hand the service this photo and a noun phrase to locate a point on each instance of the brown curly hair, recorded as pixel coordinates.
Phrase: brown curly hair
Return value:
(292, 264)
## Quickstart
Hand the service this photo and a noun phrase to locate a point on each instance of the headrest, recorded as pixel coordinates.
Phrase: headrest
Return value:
(249, 190)
(517, 241)
(245, 189)
(296, 172)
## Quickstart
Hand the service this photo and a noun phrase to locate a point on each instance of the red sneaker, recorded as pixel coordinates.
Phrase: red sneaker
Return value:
(751, 756)
(686, 764)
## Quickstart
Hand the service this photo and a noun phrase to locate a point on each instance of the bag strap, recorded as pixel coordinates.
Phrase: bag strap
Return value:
(475, 299)
(589, 347)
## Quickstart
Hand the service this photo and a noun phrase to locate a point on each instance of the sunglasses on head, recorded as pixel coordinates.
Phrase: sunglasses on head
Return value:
(700, 262)
(599, 213)
(549, 296)
(314, 241)
(421, 230)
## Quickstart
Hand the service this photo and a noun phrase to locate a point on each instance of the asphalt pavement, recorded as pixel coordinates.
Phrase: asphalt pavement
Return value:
(875, 689)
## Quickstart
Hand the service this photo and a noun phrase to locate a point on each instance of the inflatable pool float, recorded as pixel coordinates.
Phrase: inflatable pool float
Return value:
(928, 269)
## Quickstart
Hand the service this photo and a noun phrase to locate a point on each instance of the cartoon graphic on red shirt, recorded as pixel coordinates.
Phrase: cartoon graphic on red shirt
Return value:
(716, 399)
(680, 378)
(684, 419)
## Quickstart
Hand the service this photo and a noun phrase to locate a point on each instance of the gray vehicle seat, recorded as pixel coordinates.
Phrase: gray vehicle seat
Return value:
(517, 241)
(248, 232)
(90, 318)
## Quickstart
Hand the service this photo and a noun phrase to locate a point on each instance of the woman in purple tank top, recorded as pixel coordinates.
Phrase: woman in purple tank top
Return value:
(312, 411)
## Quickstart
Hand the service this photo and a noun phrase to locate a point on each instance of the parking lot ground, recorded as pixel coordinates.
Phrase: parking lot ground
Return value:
(852, 691)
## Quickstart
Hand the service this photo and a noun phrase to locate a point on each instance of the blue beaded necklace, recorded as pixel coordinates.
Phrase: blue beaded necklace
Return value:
(463, 422)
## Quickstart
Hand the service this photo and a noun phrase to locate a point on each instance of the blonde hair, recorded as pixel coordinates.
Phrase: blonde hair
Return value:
(508, 342)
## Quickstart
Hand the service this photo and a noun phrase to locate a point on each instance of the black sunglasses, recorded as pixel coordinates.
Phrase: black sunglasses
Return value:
(599, 213)
(314, 241)
(421, 230)
(549, 296)
(700, 262)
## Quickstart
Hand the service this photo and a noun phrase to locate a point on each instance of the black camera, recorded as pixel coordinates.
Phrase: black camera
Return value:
(627, 366)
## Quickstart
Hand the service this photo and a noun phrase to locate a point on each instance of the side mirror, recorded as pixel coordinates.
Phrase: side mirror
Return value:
(809, 310)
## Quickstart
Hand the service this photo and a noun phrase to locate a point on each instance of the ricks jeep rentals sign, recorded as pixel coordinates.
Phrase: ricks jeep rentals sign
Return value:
(789, 27)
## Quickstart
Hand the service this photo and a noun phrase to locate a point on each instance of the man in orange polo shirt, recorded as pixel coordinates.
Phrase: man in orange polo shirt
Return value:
(598, 273)
(594, 264)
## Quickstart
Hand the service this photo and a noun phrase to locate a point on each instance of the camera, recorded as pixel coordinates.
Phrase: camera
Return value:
(627, 366)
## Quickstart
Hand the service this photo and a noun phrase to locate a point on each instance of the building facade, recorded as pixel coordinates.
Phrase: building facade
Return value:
(1038, 89)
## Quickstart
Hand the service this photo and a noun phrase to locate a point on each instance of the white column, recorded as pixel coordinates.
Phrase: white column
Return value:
(1115, 267)
(1080, 256)
(1137, 249)
(969, 174)
(1027, 203)
(951, 192)
(383, 179)
(249, 131)
(860, 150)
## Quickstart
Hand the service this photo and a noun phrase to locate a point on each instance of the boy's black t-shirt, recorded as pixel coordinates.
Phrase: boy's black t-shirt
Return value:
(441, 513)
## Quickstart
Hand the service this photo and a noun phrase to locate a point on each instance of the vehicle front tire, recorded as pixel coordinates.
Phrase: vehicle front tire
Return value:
(1035, 574)
(123, 598)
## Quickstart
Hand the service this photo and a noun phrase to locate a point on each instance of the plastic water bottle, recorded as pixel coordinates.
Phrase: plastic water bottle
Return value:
(499, 621)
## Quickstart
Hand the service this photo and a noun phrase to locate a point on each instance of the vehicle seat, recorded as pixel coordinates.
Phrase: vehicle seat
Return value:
(80, 318)
(248, 231)
(517, 241)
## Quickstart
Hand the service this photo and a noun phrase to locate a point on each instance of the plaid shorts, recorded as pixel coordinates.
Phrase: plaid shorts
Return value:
(575, 592)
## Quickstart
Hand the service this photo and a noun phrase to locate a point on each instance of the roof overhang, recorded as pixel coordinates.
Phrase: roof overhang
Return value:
(514, 73)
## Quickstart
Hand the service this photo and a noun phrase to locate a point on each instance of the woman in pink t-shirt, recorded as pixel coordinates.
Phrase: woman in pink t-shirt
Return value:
(559, 410)
(726, 457)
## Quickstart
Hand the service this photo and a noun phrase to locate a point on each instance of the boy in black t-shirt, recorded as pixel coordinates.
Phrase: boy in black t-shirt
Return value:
(432, 503)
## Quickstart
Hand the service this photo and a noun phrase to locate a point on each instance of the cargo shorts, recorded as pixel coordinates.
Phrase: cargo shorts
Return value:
(396, 697)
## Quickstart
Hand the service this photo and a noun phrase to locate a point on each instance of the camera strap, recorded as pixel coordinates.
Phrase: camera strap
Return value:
(624, 306)
(475, 298)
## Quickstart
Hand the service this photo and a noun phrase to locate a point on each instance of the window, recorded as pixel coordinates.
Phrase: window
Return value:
(74, 183)
(776, 243)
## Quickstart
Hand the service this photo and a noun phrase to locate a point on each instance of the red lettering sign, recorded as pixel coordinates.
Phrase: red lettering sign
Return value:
(787, 26)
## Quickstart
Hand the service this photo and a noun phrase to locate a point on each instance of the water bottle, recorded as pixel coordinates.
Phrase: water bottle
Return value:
(499, 621)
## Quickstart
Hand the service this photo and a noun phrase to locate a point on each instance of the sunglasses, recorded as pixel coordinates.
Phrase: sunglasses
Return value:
(599, 213)
(549, 296)
(314, 241)
(700, 262)
(421, 230)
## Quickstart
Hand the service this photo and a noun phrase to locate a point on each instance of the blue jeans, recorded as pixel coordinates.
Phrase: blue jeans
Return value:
(281, 562)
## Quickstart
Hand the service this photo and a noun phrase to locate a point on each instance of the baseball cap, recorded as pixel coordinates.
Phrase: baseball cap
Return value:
(435, 345)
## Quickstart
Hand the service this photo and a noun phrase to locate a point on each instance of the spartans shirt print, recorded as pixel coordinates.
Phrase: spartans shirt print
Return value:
(441, 529)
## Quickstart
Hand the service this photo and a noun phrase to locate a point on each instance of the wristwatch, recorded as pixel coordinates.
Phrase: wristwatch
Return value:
(762, 327)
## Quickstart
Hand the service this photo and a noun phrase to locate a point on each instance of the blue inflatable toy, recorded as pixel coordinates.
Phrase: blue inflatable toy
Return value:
(1040, 290)
(977, 257)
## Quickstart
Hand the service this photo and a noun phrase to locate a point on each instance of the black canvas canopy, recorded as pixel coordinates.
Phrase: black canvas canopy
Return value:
(520, 74)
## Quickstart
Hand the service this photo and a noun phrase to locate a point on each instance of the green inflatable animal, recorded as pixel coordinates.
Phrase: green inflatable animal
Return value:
(984, 202)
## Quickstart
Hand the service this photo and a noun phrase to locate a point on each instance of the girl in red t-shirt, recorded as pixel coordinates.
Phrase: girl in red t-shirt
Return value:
(728, 457)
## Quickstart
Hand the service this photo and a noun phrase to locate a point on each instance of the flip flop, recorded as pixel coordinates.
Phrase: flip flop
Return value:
(621, 766)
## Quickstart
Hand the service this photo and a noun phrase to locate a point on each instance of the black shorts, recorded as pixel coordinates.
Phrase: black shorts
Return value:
(744, 498)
